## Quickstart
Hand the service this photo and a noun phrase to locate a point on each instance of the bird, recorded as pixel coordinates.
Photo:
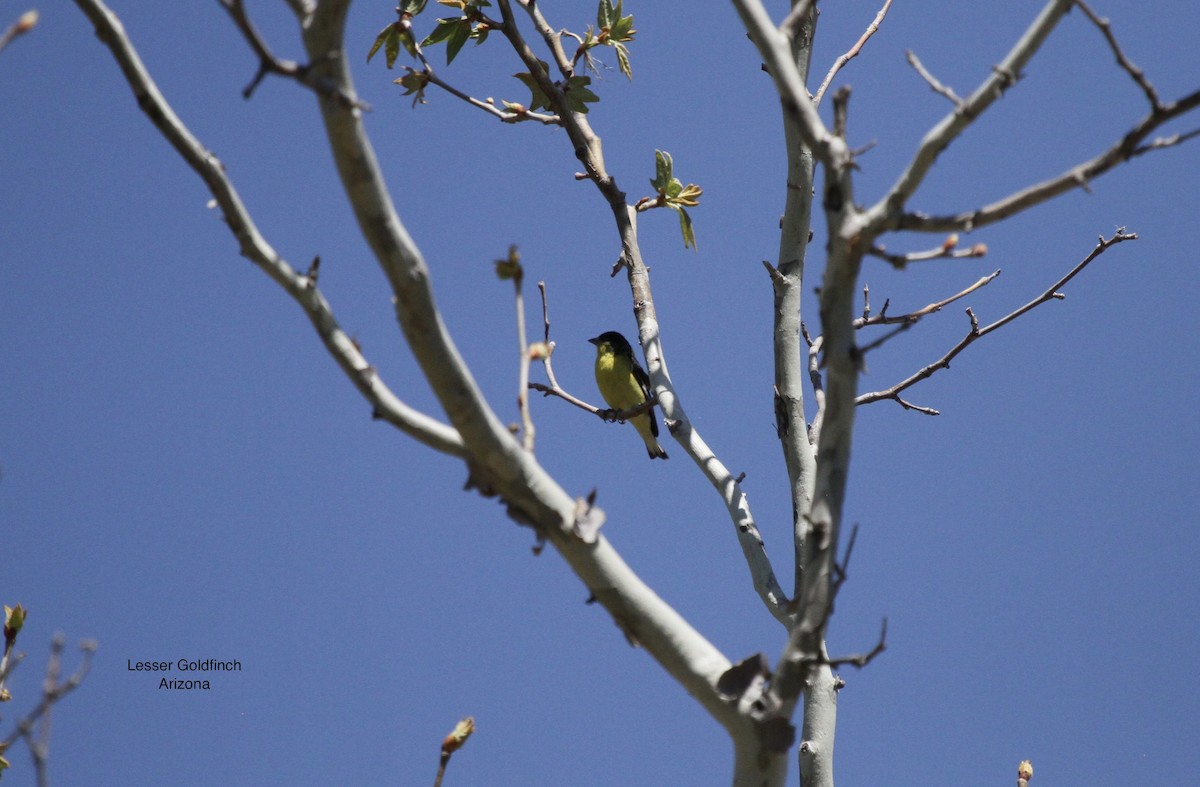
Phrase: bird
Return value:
(624, 384)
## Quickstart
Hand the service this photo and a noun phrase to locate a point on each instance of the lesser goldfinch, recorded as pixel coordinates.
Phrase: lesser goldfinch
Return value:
(623, 384)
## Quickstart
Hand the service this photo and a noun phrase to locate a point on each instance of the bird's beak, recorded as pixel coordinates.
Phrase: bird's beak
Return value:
(594, 340)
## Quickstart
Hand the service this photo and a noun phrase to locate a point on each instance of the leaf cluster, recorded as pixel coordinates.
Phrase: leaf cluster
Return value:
(612, 29)
(456, 31)
(673, 194)
(575, 91)
(573, 94)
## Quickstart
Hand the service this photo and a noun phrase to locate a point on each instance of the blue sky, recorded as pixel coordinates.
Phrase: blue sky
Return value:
(187, 475)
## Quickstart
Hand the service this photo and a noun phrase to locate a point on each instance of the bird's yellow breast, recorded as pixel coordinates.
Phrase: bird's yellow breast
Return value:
(614, 378)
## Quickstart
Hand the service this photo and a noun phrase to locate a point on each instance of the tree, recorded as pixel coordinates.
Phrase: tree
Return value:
(754, 700)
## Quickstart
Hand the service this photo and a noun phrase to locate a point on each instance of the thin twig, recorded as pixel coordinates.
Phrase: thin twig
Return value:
(919, 408)
(507, 115)
(817, 381)
(34, 726)
(268, 63)
(604, 413)
(976, 332)
(518, 277)
(1052, 293)
(549, 345)
(510, 114)
(1129, 146)
(861, 660)
(930, 79)
(883, 318)
(879, 342)
(842, 570)
(947, 250)
(1134, 72)
(853, 51)
(1166, 142)
(885, 213)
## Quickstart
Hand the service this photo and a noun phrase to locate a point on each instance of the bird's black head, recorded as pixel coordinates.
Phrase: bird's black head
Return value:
(615, 340)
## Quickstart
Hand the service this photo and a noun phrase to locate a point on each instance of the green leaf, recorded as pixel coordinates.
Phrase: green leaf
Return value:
(621, 28)
(623, 60)
(445, 27)
(510, 266)
(578, 95)
(390, 30)
(662, 171)
(392, 49)
(457, 38)
(539, 98)
(576, 92)
(689, 234)
(604, 15)
(414, 83)
(411, 7)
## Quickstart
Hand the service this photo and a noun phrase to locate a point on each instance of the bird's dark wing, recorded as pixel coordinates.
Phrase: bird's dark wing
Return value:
(643, 381)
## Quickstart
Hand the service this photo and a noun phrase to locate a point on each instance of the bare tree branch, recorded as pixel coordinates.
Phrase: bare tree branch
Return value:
(883, 318)
(846, 244)
(1130, 146)
(774, 47)
(269, 64)
(930, 79)
(886, 213)
(852, 53)
(861, 660)
(34, 726)
(511, 268)
(344, 350)
(787, 285)
(506, 115)
(948, 250)
(976, 332)
(889, 211)
(1134, 72)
